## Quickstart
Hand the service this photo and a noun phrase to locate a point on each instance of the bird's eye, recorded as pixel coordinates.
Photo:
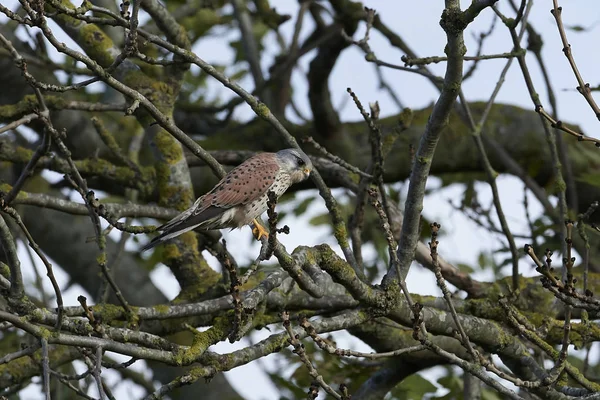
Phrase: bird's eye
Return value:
(300, 161)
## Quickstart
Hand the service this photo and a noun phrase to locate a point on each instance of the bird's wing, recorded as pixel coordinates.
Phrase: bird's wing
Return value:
(242, 185)
(245, 183)
(195, 215)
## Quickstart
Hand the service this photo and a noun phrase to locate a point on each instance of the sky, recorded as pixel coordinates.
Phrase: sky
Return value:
(417, 24)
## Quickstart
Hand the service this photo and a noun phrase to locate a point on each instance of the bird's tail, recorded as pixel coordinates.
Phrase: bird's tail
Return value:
(166, 235)
(209, 218)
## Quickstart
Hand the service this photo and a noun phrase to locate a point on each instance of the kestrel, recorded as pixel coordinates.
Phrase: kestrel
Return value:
(241, 196)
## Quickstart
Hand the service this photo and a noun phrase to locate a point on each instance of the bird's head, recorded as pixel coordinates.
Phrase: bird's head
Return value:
(295, 163)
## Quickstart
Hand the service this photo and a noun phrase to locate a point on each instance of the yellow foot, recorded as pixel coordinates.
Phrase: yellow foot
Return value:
(258, 230)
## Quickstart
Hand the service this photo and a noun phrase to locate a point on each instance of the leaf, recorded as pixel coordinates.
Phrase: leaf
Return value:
(465, 268)
(505, 262)
(320, 219)
(415, 387)
(303, 206)
(236, 76)
(454, 384)
(592, 179)
(469, 194)
(280, 216)
(576, 28)
(381, 246)
(487, 394)
(259, 30)
(286, 385)
(483, 261)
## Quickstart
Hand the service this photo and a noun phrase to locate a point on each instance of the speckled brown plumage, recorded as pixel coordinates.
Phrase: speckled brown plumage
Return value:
(245, 183)
(241, 196)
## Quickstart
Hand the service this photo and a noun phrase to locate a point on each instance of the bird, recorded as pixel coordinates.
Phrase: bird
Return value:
(241, 196)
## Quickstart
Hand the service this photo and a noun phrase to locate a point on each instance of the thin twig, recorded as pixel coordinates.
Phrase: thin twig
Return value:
(45, 369)
(474, 369)
(583, 88)
(234, 290)
(582, 219)
(560, 126)
(436, 59)
(97, 370)
(331, 349)
(21, 121)
(17, 290)
(18, 354)
(549, 133)
(49, 270)
(299, 350)
(433, 245)
(335, 159)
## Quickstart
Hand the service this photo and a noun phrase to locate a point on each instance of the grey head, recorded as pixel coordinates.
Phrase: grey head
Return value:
(295, 163)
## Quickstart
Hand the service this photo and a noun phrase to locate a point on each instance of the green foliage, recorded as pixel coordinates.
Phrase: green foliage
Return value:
(287, 387)
(461, 177)
(590, 365)
(465, 268)
(578, 28)
(259, 30)
(335, 370)
(303, 206)
(320, 219)
(414, 387)
(592, 179)
(193, 89)
(455, 384)
(486, 261)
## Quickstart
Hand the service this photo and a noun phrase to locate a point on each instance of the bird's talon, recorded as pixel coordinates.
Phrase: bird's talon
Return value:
(259, 231)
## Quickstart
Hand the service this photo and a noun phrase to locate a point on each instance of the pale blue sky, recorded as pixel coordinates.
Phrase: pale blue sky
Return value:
(417, 23)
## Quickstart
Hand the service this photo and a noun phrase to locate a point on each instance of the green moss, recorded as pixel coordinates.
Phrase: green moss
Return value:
(504, 337)
(161, 94)
(5, 188)
(561, 186)
(254, 280)
(23, 153)
(101, 259)
(4, 270)
(261, 110)
(169, 148)
(354, 177)
(170, 195)
(452, 86)
(111, 312)
(162, 308)
(453, 21)
(19, 369)
(484, 308)
(202, 340)
(207, 279)
(374, 330)
(203, 20)
(97, 44)
(260, 319)
(533, 296)
(45, 333)
(29, 104)
(342, 272)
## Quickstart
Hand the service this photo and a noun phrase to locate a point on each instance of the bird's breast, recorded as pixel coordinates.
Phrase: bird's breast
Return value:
(257, 207)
